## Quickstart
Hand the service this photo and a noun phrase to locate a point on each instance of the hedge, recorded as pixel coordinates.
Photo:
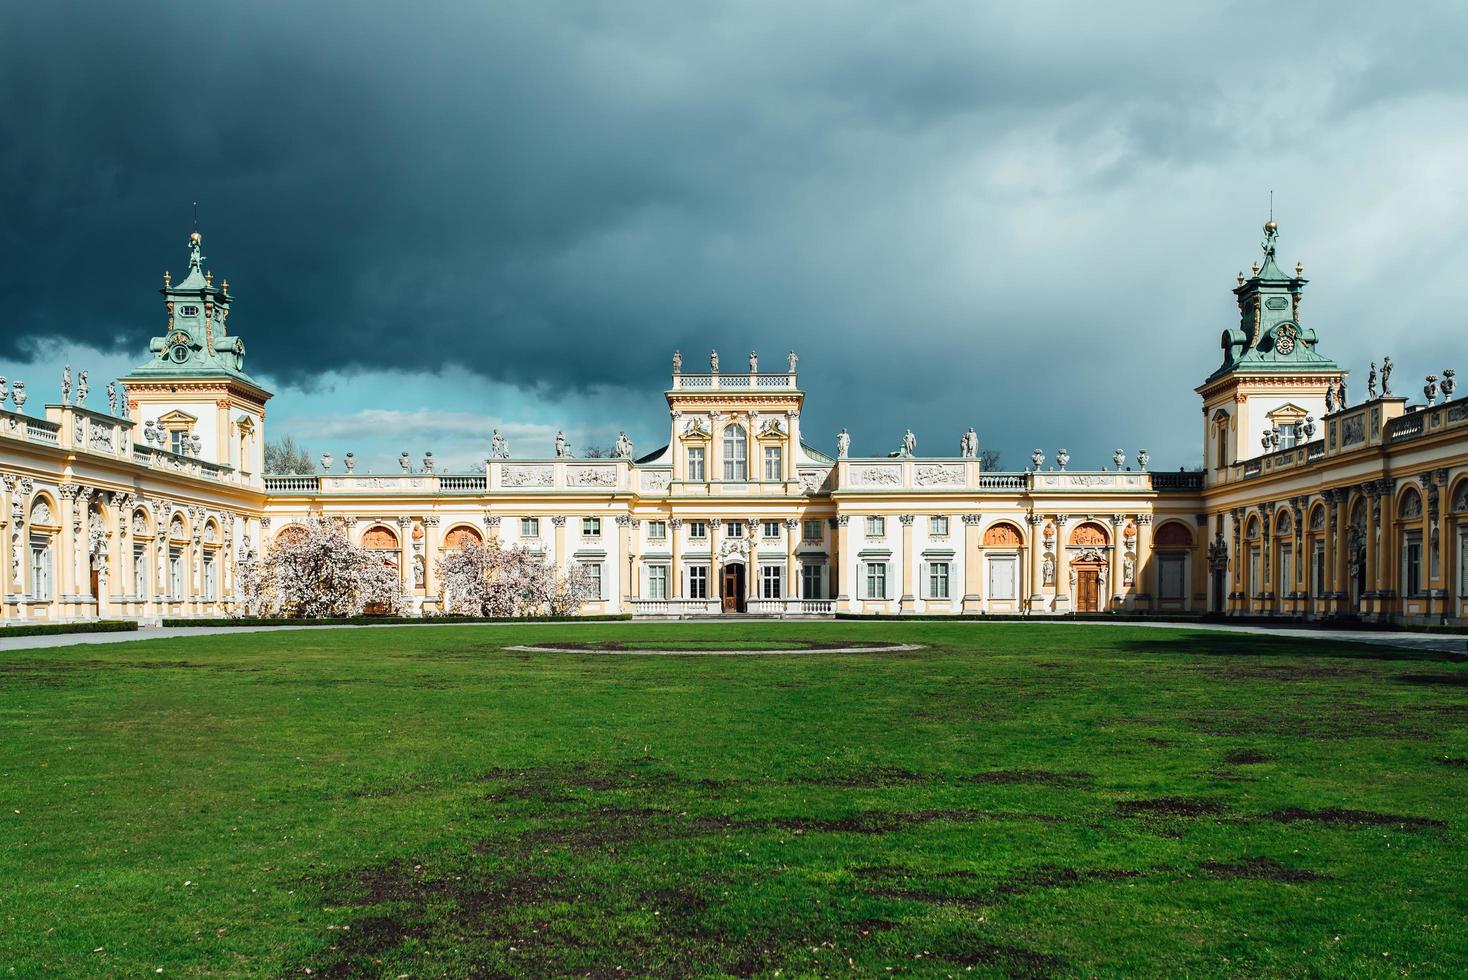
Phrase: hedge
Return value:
(1020, 618)
(49, 629)
(390, 620)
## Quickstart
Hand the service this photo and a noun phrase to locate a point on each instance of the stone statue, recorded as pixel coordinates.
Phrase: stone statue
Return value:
(714, 361)
(1309, 427)
(968, 446)
(66, 385)
(623, 446)
(843, 444)
(677, 362)
(909, 443)
(498, 447)
(428, 462)
(112, 398)
(1329, 398)
(1429, 390)
(1264, 440)
(1037, 459)
(561, 444)
(1340, 393)
(82, 389)
(4, 391)
(19, 396)
(1119, 458)
(1047, 566)
(1371, 383)
(1062, 459)
(1450, 383)
(1386, 376)
(404, 461)
(1128, 571)
(790, 361)
(326, 462)
(754, 362)
(350, 462)
(1143, 458)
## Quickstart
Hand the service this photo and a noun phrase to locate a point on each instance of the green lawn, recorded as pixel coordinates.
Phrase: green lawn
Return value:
(1013, 800)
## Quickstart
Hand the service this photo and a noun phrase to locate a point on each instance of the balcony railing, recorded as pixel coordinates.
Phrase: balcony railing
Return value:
(469, 483)
(39, 430)
(1407, 427)
(1177, 482)
(725, 381)
(1001, 481)
(678, 608)
(292, 484)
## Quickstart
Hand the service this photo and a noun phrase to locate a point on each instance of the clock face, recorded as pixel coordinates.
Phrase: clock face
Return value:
(179, 353)
(1284, 340)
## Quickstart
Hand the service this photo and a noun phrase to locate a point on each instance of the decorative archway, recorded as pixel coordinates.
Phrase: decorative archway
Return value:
(461, 536)
(1088, 569)
(1089, 534)
(1003, 535)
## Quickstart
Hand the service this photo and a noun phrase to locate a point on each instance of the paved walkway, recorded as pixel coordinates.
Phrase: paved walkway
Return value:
(1435, 642)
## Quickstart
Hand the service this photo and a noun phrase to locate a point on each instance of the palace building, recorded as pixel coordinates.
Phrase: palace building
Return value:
(1309, 503)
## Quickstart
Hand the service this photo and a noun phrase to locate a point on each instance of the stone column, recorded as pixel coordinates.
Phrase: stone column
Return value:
(1145, 572)
(625, 560)
(1116, 573)
(840, 585)
(1388, 562)
(972, 564)
(1062, 568)
(792, 568)
(1439, 530)
(675, 537)
(1373, 519)
(751, 542)
(1240, 560)
(7, 552)
(64, 562)
(1325, 603)
(907, 603)
(432, 547)
(405, 554)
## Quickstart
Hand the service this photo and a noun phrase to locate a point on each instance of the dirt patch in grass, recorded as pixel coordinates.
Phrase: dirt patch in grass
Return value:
(867, 821)
(1059, 876)
(1168, 807)
(1040, 777)
(1246, 757)
(1332, 720)
(877, 776)
(1012, 961)
(1459, 679)
(1261, 868)
(1454, 762)
(1337, 817)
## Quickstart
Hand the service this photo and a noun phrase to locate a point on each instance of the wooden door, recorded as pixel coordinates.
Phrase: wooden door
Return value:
(94, 580)
(1088, 590)
(732, 588)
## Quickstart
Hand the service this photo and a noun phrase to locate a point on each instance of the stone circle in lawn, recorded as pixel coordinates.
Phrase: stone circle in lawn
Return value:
(693, 648)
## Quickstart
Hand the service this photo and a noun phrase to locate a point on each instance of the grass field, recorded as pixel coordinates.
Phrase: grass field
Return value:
(1014, 800)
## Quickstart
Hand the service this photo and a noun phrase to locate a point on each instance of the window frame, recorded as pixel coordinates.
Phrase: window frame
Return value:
(771, 581)
(591, 527)
(529, 527)
(805, 527)
(657, 530)
(697, 465)
(934, 576)
(876, 526)
(698, 581)
(735, 444)
(874, 575)
(937, 529)
(698, 530)
(657, 581)
(765, 529)
(774, 455)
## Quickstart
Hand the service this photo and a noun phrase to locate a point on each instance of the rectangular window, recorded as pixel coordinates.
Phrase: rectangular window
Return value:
(876, 527)
(774, 463)
(1318, 575)
(529, 527)
(1003, 578)
(698, 529)
(876, 580)
(657, 581)
(938, 526)
(695, 463)
(140, 570)
(1463, 564)
(811, 530)
(769, 582)
(938, 580)
(211, 580)
(1286, 581)
(1171, 576)
(1412, 565)
(810, 582)
(593, 570)
(698, 581)
(734, 529)
(1287, 435)
(657, 530)
(591, 527)
(736, 448)
(1256, 584)
(771, 529)
(40, 568)
(178, 441)
(175, 573)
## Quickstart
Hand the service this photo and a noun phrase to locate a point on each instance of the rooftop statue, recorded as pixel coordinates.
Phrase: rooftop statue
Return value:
(790, 361)
(623, 446)
(843, 444)
(19, 396)
(498, 447)
(561, 449)
(112, 398)
(1371, 383)
(4, 391)
(677, 362)
(714, 361)
(909, 443)
(66, 385)
(1062, 458)
(1386, 376)
(754, 362)
(82, 389)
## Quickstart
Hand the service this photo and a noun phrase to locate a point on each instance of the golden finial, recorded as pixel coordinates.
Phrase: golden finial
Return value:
(1241, 277)
(1256, 268)
(209, 278)
(167, 279)
(195, 238)
(1299, 269)
(225, 287)
(1270, 227)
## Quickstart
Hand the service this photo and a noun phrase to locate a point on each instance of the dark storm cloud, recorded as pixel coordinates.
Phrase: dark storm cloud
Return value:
(947, 210)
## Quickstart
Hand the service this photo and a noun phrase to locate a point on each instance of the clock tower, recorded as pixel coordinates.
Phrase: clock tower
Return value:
(1272, 376)
(193, 397)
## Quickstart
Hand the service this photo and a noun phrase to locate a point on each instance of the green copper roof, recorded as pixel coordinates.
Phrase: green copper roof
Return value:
(197, 342)
(1269, 337)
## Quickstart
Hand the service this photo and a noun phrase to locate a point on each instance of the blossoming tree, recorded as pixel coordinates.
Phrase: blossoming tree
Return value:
(315, 571)
(488, 579)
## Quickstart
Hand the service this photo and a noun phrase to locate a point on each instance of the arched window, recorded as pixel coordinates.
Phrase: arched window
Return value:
(736, 453)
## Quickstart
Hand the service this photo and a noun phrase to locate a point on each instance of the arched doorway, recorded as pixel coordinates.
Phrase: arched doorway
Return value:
(732, 588)
(1088, 581)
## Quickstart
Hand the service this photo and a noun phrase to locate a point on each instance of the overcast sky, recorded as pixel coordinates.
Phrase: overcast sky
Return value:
(437, 219)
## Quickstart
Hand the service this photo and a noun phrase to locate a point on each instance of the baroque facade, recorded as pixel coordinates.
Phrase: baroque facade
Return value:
(1308, 505)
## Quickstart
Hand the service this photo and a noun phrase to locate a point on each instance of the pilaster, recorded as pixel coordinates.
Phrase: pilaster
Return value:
(972, 564)
(907, 603)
